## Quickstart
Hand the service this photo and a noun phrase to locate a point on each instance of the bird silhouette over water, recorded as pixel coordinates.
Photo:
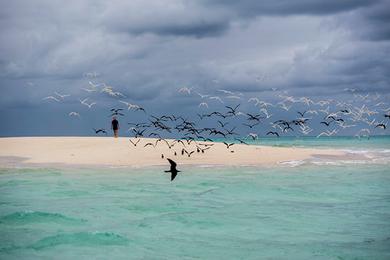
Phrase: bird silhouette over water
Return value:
(173, 169)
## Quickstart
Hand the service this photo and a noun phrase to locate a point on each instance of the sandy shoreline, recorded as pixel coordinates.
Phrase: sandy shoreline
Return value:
(108, 151)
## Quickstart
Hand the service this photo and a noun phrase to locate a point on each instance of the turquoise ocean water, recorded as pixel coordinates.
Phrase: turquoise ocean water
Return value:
(323, 208)
(347, 142)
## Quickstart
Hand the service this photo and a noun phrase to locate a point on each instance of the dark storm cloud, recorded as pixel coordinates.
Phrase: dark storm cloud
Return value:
(371, 23)
(211, 18)
(148, 50)
(199, 30)
(171, 18)
(288, 7)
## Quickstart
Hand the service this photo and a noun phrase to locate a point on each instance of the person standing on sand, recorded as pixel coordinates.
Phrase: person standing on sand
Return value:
(115, 126)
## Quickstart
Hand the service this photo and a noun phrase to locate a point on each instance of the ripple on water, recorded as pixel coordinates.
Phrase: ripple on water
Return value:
(81, 239)
(30, 217)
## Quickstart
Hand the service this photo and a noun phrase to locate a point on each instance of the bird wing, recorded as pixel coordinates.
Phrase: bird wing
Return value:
(173, 164)
(173, 175)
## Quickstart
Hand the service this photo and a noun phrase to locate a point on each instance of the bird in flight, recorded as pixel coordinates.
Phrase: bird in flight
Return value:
(101, 130)
(273, 133)
(52, 98)
(232, 111)
(228, 145)
(173, 169)
(302, 114)
(203, 104)
(381, 126)
(62, 96)
(188, 153)
(74, 114)
(325, 123)
(89, 105)
(115, 112)
(216, 98)
(93, 87)
(202, 96)
(253, 136)
(251, 126)
(84, 102)
(222, 124)
(328, 133)
(241, 141)
(135, 144)
(131, 107)
(185, 90)
(149, 144)
(227, 92)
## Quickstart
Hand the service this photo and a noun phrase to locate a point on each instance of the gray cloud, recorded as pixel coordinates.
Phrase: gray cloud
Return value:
(371, 23)
(201, 29)
(172, 18)
(286, 7)
(149, 51)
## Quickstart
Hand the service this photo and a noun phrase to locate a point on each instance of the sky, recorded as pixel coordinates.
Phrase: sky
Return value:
(148, 50)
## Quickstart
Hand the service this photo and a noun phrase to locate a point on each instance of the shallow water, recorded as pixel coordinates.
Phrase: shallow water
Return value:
(338, 142)
(302, 212)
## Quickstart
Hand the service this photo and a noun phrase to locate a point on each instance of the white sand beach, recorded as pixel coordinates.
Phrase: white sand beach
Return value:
(108, 151)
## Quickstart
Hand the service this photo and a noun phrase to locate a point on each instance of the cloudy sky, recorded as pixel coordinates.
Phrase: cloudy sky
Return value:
(148, 50)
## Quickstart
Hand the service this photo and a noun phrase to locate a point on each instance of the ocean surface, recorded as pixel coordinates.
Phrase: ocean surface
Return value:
(322, 208)
(338, 142)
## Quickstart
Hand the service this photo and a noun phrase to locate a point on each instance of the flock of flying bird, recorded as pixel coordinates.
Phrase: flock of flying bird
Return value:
(229, 121)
